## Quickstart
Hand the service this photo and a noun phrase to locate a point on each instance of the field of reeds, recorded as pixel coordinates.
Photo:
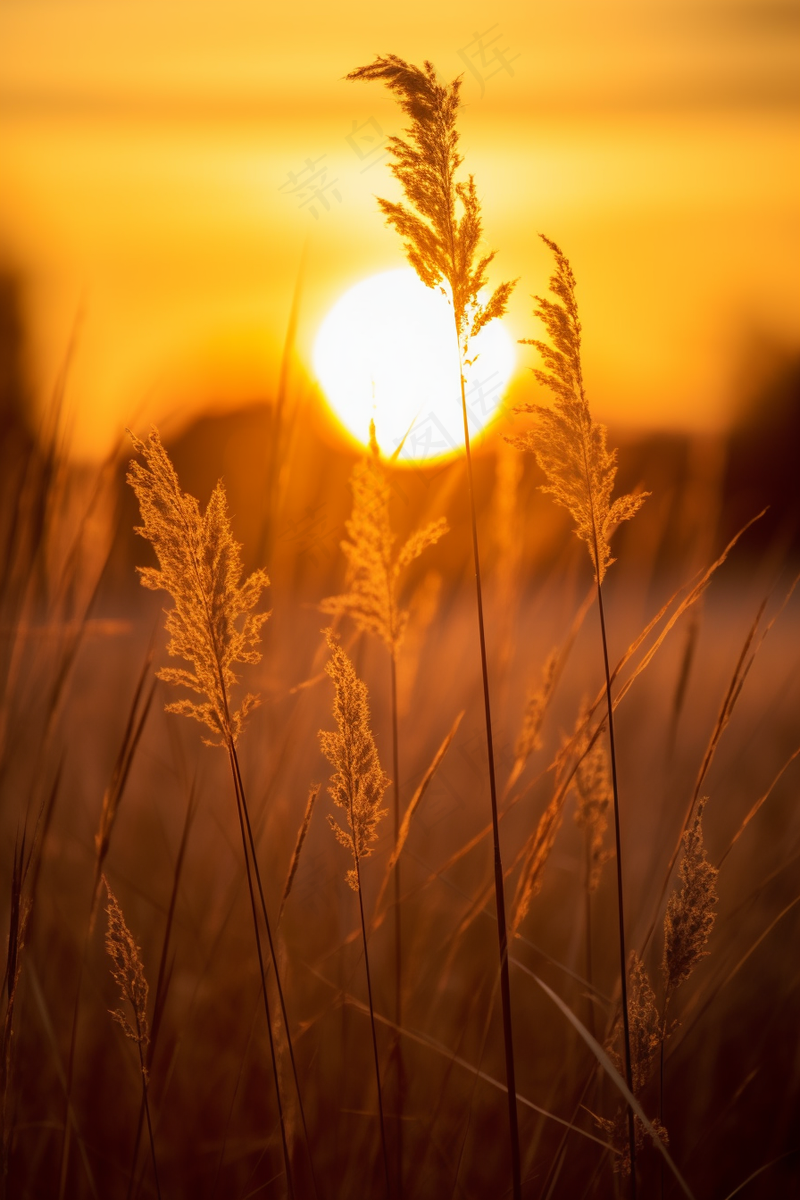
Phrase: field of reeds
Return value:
(341, 939)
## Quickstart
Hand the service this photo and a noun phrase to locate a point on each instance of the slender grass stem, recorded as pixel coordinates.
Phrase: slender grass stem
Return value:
(251, 840)
(623, 961)
(371, 1013)
(505, 985)
(588, 916)
(146, 1103)
(240, 812)
(661, 1076)
(398, 944)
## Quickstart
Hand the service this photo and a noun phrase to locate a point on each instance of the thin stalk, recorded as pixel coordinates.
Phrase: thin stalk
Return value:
(620, 910)
(371, 1009)
(147, 1114)
(161, 984)
(588, 902)
(505, 985)
(244, 809)
(661, 1078)
(398, 945)
(239, 809)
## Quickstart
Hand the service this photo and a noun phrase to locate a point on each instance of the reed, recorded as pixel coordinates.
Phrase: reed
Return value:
(213, 628)
(442, 247)
(357, 787)
(128, 972)
(579, 469)
(374, 580)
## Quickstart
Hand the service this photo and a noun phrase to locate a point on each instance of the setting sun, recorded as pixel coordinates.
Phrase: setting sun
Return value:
(363, 359)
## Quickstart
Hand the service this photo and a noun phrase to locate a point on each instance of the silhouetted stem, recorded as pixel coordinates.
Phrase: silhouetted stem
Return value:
(588, 896)
(398, 945)
(149, 1122)
(240, 791)
(505, 986)
(371, 1009)
(623, 961)
(240, 811)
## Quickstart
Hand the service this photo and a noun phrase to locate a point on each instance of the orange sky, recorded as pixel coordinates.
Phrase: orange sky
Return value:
(145, 150)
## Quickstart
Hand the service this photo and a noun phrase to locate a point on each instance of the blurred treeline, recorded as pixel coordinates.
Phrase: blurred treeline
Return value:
(286, 473)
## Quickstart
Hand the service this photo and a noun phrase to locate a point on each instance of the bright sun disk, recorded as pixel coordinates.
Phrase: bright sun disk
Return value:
(386, 352)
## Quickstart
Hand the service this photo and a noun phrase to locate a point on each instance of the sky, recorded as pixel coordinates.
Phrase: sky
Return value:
(154, 168)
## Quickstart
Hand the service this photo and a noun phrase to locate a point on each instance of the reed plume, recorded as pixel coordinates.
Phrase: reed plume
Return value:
(357, 786)
(688, 922)
(374, 576)
(440, 224)
(529, 738)
(441, 246)
(646, 1038)
(579, 469)
(592, 784)
(689, 918)
(569, 446)
(375, 570)
(127, 970)
(213, 628)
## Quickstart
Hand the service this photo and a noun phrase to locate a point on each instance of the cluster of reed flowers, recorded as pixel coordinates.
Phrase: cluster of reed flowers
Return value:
(440, 223)
(212, 626)
(359, 782)
(688, 922)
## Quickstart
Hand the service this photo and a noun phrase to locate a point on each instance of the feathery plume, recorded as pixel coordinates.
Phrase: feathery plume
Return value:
(200, 566)
(529, 737)
(128, 973)
(592, 783)
(569, 446)
(690, 917)
(537, 853)
(313, 792)
(441, 247)
(359, 781)
(646, 1034)
(374, 570)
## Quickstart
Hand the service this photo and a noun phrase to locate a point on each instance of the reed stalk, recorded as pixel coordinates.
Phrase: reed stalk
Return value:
(357, 787)
(580, 470)
(213, 627)
(443, 249)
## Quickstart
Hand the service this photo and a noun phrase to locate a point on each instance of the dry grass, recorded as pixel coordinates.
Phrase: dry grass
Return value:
(263, 1069)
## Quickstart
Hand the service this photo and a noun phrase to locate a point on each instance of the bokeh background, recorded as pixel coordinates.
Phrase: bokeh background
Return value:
(153, 159)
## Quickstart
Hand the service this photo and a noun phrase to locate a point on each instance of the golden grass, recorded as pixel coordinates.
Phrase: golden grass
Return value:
(97, 784)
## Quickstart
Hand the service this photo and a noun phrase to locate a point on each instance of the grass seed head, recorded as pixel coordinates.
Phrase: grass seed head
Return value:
(374, 570)
(128, 972)
(212, 626)
(690, 917)
(592, 784)
(358, 783)
(440, 245)
(569, 446)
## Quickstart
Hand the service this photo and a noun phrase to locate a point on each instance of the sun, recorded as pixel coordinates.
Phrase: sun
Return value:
(386, 352)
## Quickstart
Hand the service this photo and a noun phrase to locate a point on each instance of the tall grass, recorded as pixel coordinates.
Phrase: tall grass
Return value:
(443, 249)
(696, 1098)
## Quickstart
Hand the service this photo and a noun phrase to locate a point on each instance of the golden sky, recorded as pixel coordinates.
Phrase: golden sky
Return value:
(147, 152)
